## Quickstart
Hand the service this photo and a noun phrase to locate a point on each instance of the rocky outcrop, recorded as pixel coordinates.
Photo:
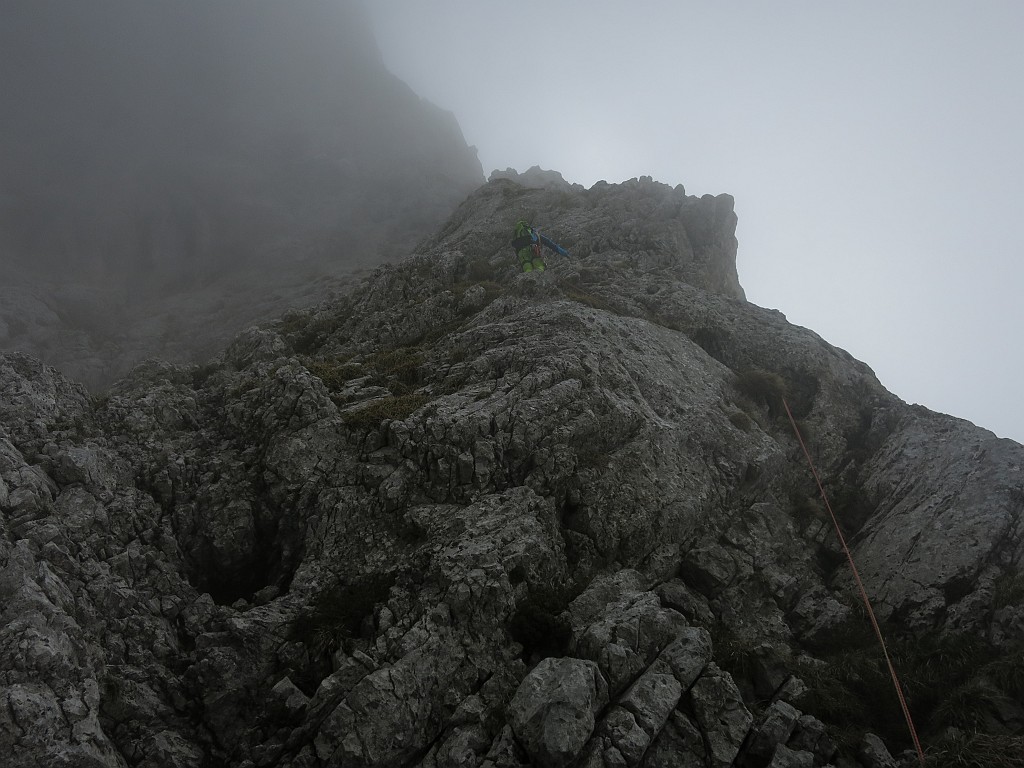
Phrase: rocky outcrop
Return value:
(467, 516)
(535, 177)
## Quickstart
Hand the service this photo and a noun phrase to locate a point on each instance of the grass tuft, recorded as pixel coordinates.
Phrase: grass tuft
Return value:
(396, 369)
(394, 408)
(335, 374)
(977, 750)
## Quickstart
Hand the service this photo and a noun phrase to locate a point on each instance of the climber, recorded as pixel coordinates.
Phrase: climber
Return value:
(528, 242)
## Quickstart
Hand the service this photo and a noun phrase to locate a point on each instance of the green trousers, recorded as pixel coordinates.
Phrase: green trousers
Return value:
(531, 260)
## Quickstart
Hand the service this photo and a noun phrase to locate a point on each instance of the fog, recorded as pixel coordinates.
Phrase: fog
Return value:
(873, 149)
(169, 139)
(172, 171)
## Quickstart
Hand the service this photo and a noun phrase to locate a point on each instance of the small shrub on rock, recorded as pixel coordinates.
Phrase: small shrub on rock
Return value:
(335, 374)
(764, 389)
(306, 332)
(973, 706)
(740, 420)
(734, 653)
(1009, 590)
(386, 408)
(807, 511)
(396, 369)
(962, 749)
(339, 612)
(950, 683)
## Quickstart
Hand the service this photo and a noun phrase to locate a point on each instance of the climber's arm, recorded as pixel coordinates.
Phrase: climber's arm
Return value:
(547, 241)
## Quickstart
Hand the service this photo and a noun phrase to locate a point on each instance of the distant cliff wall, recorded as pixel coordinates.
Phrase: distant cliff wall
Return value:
(171, 172)
(168, 141)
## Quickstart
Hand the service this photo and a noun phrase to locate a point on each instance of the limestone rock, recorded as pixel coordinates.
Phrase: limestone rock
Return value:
(921, 552)
(629, 638)
(775, 728)
(811, 735)
(784, 757)
(534, 177)
(640, 715)
(461, 515)
(873, 753)
(692, 605)
(289, 697)
(553, 712)
(721, 715)
(679, 744)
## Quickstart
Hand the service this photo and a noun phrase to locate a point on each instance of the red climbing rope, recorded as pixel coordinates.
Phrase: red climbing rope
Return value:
(860, 586)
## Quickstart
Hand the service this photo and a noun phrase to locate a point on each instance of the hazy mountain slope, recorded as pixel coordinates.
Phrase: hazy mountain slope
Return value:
(466, 516)
(155, 155)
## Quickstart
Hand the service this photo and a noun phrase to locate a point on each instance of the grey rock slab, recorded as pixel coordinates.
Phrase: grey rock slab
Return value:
(811, 735)
(628, 741)
(631, 635)
(686, 656)
(651, 700)
(948, 497)
(872, 753)
(553, 711)
(784, 757)
(774, 729)
(720, 713)
(680, 744)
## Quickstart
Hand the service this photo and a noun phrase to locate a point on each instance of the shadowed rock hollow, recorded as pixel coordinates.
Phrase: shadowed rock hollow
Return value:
(464, 516)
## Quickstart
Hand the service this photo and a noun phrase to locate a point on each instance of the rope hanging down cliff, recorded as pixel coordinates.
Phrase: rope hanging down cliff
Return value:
(860, 586)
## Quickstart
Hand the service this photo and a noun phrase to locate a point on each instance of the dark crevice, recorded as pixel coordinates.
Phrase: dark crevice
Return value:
(801, 391)
(340, 614)
(271, 562)
(540, 624)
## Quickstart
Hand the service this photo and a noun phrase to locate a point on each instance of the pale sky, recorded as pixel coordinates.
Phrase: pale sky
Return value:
(873, 148)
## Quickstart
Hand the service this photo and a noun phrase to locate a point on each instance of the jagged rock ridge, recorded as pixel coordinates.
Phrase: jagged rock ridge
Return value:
(466, 516)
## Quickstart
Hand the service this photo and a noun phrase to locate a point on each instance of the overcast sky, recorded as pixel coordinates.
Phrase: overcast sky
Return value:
(873, 148)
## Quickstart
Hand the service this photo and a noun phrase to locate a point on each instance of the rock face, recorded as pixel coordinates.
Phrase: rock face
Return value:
(463, 516)
(553, 711)
(173, 172)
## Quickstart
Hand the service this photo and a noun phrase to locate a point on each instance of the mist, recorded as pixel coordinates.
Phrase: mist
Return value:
(171, 171)
(164, 138)
(873, 151)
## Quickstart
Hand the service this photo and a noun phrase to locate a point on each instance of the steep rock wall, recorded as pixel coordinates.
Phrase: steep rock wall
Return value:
(468, 516)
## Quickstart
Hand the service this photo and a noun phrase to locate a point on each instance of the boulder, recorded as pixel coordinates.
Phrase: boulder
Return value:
(553, 711)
